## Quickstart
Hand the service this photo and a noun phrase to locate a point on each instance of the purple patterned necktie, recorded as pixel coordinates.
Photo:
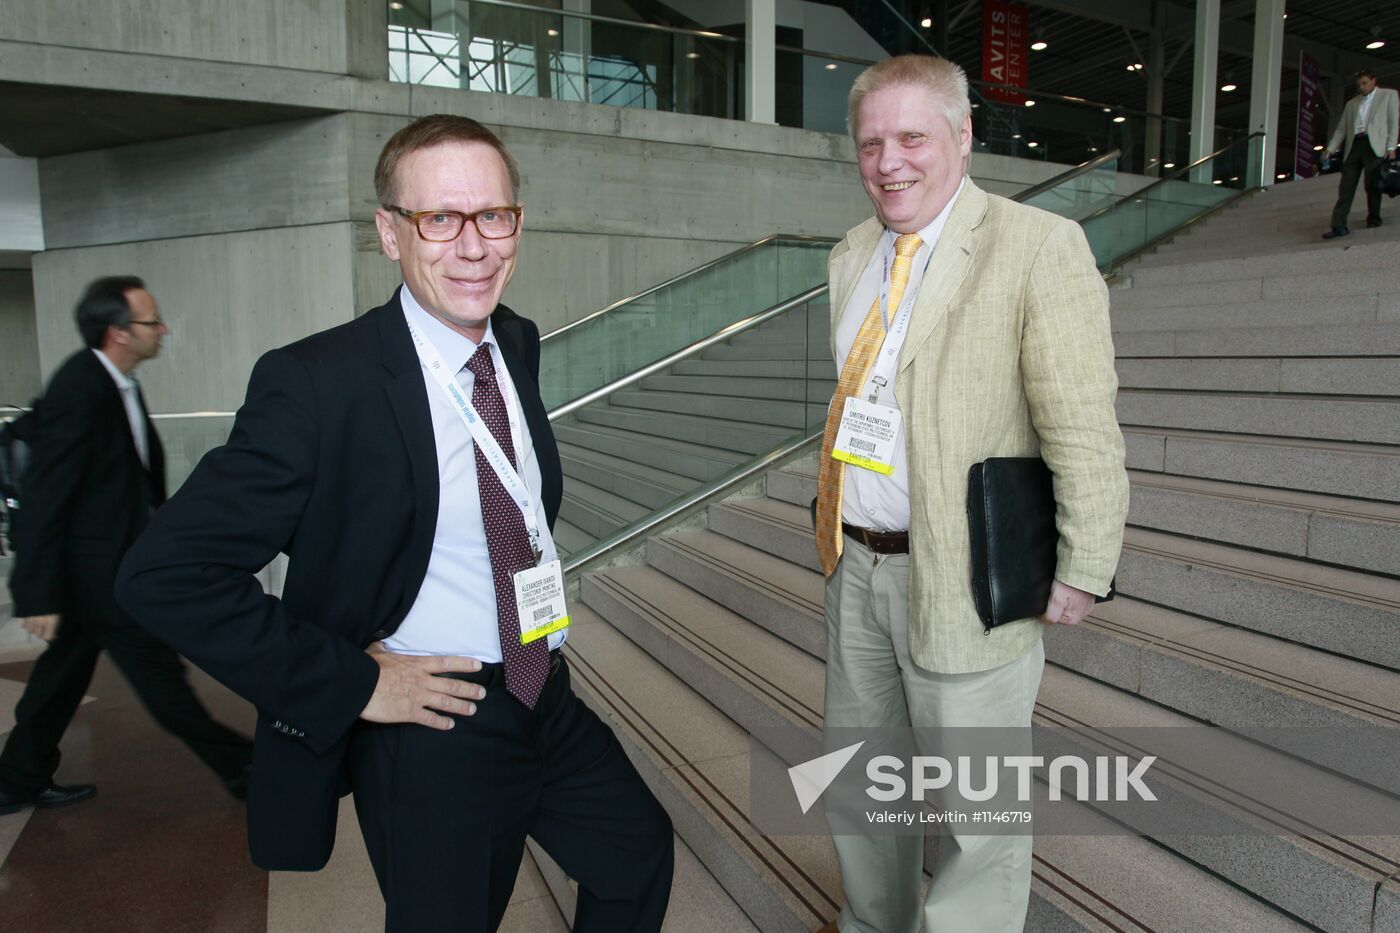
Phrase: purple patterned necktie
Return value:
(507, 541)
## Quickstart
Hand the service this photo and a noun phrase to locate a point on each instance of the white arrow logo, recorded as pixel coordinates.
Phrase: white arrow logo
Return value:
(811, 778)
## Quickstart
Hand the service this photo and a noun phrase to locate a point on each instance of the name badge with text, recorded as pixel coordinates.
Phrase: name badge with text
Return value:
(539, 599)
(867, 436)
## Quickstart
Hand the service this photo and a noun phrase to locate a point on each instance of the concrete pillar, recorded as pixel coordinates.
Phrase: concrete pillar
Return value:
(1203, 85)
(760, 61)
(1156, 65)
(366, 37)
(1264, 90)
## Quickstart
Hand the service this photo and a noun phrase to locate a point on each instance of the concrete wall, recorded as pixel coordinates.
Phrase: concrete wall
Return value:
(228, 298)
(19, 345)
(310, 34)
(21, 222)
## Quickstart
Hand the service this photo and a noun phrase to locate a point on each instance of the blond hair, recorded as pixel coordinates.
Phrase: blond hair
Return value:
(944, 81)
(433, 130)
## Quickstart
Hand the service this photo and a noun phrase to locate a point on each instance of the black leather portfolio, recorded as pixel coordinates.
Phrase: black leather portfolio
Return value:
(1011, 516)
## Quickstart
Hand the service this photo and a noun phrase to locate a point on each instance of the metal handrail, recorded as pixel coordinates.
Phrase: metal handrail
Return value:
(1083, 168)
(794, 237)
(574, 14)
(704, 343)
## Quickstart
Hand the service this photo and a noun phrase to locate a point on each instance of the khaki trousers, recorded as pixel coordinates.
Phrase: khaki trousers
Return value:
(980, 883)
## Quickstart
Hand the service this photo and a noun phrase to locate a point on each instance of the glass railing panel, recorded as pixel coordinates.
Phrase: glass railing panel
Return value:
(642, 330)
(692, 425)
(1142, 218)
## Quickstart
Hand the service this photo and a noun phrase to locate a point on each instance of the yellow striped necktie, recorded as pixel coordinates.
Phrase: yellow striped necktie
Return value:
(831, 476)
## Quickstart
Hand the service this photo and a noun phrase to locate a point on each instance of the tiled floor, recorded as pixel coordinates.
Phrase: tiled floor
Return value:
(162, 847)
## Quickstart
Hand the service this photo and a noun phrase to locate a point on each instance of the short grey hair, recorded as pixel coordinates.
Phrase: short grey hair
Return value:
(945, 82)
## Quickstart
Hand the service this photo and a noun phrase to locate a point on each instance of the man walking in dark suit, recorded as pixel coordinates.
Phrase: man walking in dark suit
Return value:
(405, 463)
(97, 473)
(1366, 136)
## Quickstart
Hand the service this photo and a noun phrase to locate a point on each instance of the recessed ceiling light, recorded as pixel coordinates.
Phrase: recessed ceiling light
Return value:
(1032, 145)
(1039, 45)
(830, 66)
(1030, 103)
(396, 5)
(1135, 66)
(1217, 182)
(1376, 44)
(1120, 119)
(552, 32)
(1108, 110)
(926, 22)
(1093, 148)
(975, 106)
(692, 55)
(1317, 148)
(1015, 135)
(1227, 88)
(1168, 165)
(1282, 175)
(1234, 178)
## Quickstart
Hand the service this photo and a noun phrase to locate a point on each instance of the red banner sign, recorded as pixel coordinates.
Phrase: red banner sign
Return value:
(1005, 27)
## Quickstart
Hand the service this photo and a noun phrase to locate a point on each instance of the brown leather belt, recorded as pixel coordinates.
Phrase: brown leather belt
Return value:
(881, 542)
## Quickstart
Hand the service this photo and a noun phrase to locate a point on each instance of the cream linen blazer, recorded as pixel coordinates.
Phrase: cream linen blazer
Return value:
(1382, 123)
(1008, 355)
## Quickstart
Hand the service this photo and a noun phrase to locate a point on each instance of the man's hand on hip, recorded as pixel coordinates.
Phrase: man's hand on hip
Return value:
(1067, 605)
(408, 692)
(45, 627)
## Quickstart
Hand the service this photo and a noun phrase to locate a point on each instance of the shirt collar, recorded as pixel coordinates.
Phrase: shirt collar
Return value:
(929, 235)
(454, 348)
(122, 380)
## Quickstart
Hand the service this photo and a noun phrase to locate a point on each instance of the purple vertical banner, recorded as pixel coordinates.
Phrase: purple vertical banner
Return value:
(1305, 161)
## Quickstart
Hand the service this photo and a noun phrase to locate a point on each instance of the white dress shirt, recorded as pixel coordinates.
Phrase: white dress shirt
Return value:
(870, 499)
(455, 612)
(1363, 112)
(131, 401)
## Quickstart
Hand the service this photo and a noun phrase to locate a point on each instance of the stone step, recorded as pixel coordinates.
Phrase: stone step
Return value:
(570, 539)
(749, 387)
(681, 458)
(775, 527)
(757, 411)
(771, 369)
(777, 595)
(697, 761)
(1318, 286)
(1349, 533)
(759, 682)
(741, 437)
(1360, 310)
(1275, 340)
(1235, 678)
(795, 484)
(1346, 532)
(1361, 376)
(1352, 614)
(1297, 241)
(698, 904)
(1361, 471)
(638, 482)
(1280, 857)
(1364, 420)
(1358, 259)
(598, 512)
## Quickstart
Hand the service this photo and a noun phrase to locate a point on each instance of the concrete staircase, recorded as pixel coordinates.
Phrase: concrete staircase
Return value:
(1260, 584)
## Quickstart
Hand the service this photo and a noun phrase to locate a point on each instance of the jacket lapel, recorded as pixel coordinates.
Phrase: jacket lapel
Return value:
(952, 259)
(848, 260)
(408, 399)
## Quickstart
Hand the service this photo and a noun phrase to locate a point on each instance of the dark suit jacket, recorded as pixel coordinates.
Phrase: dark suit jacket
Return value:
(86, 497)
(332, 461)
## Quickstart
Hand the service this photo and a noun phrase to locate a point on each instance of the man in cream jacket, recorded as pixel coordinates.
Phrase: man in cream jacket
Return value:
(1368, 127)
(980, 327)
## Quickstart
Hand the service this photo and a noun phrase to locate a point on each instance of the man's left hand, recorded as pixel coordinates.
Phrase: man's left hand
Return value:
(1067, 605)
(1390, 154)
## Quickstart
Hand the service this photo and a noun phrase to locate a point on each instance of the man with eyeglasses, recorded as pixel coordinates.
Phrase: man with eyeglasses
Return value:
(405, 463)
(97, 474)
(1366, 134)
